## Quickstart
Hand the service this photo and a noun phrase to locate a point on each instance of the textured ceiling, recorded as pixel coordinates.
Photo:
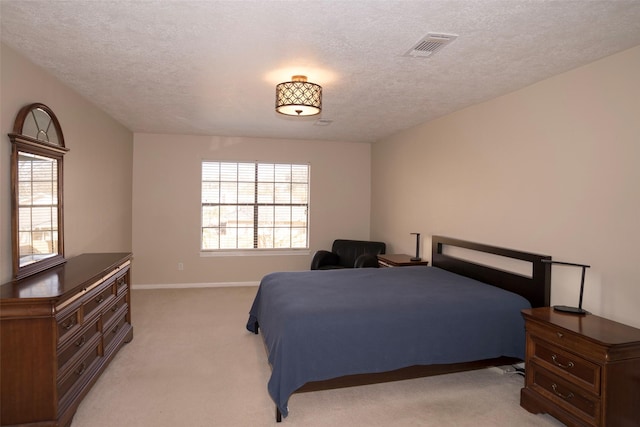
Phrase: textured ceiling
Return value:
(210, 67)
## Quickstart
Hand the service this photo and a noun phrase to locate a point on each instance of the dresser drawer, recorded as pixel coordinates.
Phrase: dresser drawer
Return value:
(111, 311)
(565, 394)
(111, 331)
(79, 370)
(122, 282)
(68, 324)
(567, 364)
(97, 299)
(567, 340)
(77, 343)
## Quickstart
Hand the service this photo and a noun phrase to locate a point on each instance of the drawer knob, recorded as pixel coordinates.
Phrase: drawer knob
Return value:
(560, 334)
(99, 299)
(68, 324)
(567, 366)
(81, 369)
(81, 341)
(114, 308)
(564, 396)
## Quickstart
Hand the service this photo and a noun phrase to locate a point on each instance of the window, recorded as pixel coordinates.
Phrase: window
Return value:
(254, 206)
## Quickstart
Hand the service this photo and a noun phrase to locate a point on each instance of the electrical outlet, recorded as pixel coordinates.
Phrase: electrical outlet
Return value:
(180, 266)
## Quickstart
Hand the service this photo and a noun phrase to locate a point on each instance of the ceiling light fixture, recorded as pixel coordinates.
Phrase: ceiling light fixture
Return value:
(298, 97)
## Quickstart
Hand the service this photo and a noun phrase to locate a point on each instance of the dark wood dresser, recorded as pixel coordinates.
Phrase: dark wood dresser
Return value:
(582, 369)
(59, 329)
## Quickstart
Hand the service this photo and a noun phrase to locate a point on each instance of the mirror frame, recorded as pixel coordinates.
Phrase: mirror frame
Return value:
(35, 145)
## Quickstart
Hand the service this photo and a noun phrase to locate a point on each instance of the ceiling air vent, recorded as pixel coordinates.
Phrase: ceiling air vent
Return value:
(323, 122)
(430, 44)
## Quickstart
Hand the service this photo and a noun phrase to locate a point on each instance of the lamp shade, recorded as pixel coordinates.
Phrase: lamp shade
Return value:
(298, 97)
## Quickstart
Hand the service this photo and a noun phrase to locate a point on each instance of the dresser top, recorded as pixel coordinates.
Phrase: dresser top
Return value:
(595, 328)
(64, 278)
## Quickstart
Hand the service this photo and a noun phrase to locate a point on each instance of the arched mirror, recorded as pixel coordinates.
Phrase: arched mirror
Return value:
(37, 148)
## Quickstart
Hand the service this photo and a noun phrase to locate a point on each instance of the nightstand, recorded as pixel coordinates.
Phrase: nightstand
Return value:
(398, 260)
(582, 369)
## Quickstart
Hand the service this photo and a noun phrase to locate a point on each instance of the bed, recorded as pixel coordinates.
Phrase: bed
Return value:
(336, 328)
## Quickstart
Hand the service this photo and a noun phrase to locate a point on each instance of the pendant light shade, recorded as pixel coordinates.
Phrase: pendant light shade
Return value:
(298, 97)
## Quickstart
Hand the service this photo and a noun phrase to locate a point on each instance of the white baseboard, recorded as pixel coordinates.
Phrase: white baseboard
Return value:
(192, 285)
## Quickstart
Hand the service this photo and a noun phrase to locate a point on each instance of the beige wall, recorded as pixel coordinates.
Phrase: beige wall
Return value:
(553, 168)
(97, 169)
(166, 207)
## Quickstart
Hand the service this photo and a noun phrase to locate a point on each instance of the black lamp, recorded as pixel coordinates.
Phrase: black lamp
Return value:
(564, 308)
(417, 257)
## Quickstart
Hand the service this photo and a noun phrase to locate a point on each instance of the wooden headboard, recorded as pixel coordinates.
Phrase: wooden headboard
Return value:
(535, 287)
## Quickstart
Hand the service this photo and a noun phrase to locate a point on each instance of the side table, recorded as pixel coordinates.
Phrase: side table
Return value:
(582, 369)
(398, 260)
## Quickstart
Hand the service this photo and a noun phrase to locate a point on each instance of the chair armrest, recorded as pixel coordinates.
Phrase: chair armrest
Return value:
(366, 261)
(322, 257)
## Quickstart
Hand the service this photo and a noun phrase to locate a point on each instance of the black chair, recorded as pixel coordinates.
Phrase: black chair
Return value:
(348, 254)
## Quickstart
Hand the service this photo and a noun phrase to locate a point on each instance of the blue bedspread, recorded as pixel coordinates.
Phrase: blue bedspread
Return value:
(319, 325)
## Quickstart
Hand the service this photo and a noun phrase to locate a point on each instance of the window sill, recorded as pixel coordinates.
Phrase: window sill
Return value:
(255, 252)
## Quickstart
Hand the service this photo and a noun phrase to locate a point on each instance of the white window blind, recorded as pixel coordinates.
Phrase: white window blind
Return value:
(254, 206)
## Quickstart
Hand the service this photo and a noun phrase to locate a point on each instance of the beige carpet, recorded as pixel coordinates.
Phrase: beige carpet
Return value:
(193, 363)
